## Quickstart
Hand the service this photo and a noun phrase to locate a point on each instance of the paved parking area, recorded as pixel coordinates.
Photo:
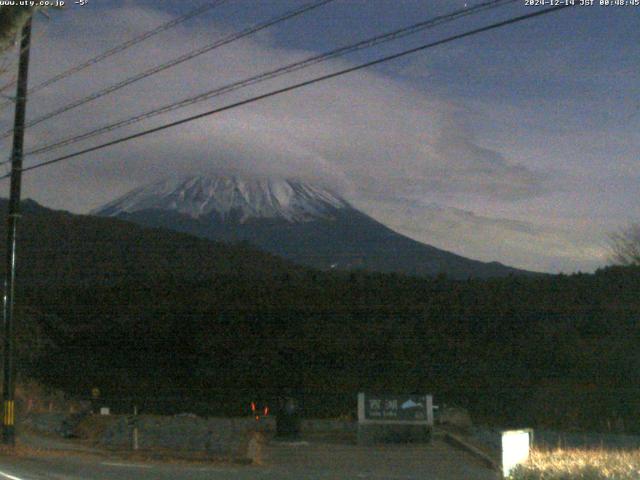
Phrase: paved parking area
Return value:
(313, 460)
(436, 460)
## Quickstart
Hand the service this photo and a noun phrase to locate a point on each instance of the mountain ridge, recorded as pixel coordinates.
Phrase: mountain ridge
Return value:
(301, 222)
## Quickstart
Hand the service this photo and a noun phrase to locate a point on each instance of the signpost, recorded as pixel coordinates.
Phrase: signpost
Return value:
(394, 417)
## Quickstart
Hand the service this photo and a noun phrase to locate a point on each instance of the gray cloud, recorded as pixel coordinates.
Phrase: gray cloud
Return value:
(372, 137)
(476, 169)
(364, 130)
(511, 241)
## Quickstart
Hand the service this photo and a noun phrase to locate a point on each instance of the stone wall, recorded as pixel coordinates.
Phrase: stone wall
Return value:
(51, 423)
(217, 436)
(311, 426)
(369, 434)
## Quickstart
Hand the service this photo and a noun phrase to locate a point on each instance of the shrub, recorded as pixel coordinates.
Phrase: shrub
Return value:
(573, 464)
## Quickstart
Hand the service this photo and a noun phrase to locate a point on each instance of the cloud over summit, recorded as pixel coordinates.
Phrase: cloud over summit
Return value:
(376, 137)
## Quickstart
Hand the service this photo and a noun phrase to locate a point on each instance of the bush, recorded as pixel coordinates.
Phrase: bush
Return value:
(573, 464)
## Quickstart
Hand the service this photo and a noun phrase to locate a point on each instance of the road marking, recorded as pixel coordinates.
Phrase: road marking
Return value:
(10, 477)
(130, 465)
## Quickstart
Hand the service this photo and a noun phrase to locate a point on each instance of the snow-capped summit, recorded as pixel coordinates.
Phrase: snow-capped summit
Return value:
(231, 197)
(304, 223)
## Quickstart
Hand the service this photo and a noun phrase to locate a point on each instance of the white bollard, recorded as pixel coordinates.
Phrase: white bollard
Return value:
(515, 449)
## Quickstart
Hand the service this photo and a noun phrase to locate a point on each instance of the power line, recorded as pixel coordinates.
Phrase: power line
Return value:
(123, 46)
(315, 59)
(177, 61)
(296, 86)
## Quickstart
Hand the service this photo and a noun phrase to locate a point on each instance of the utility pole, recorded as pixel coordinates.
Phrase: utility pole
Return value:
(9, 367)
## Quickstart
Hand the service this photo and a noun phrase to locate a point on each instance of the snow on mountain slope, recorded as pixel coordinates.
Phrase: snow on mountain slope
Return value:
(234, 197)
(298, 221)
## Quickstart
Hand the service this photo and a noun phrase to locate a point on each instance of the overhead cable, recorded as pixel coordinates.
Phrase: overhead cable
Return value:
(296, 86)
(173, 63)
(123, 46)
(262, 77)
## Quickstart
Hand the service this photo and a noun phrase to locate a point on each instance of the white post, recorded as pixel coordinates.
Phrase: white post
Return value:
(430, 410)
(135, 428)
(135, 438)
(515, 449)
(360, 407)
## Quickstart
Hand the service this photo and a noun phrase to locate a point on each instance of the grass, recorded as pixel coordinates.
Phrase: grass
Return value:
(583, 464)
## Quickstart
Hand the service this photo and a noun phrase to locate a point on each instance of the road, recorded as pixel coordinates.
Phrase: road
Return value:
(312, 461)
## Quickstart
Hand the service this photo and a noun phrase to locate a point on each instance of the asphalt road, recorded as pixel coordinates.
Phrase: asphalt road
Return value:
(314, 461)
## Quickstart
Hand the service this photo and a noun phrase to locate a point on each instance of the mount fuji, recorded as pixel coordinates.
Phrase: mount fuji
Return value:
(302, 222)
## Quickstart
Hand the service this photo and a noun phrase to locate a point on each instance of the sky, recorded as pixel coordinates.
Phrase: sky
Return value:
(518, 145)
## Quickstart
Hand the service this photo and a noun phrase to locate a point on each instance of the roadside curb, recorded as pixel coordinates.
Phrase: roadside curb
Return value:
(462, 444)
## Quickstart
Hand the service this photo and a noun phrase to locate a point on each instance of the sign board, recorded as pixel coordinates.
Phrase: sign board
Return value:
(401, 409)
